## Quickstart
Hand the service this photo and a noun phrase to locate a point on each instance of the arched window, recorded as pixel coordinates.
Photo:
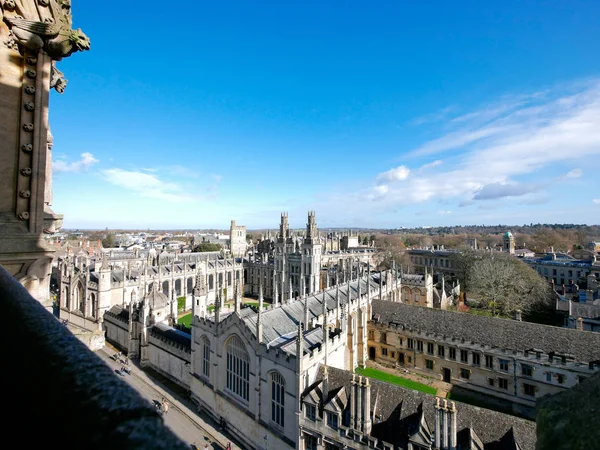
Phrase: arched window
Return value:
(228, 278)
(277, 398)
(205, 357)
(220, 280)
(190, 284)
(178, 287)
(238, 368)
(211, 282)
(80, 297)
(165, 288)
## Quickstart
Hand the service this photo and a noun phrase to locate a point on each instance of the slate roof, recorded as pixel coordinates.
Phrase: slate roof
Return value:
(585, 310)
(283, 320)
(170, 333)
(397, 414)
(156, 299)
(502, 333)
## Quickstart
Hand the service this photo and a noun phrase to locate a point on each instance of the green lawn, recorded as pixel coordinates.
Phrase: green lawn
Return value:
(393, 379)
(186, 320)
(255, 304)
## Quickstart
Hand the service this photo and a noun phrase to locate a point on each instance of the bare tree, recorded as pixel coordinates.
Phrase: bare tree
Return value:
(391, 249)
(502, 284)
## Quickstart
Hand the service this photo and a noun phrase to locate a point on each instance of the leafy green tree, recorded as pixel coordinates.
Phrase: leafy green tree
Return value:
(207, 247)
(109, 240)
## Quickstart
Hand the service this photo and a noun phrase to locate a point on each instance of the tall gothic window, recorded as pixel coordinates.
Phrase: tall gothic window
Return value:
(205, 357)
(211, 282)
(80, 297)
(238, 368)
(277, 398)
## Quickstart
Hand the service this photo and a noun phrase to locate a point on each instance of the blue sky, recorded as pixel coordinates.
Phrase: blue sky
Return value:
(373, 114)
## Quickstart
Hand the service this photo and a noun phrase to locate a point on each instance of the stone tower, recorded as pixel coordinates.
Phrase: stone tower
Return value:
(508, 243)
(237, 240)
(283, 246)
(312, 254)
(33, 36)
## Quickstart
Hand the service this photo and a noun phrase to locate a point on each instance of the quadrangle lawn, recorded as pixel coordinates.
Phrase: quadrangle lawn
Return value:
(393, 379)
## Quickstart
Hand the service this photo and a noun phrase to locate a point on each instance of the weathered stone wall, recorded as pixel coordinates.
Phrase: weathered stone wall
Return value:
(33, 35)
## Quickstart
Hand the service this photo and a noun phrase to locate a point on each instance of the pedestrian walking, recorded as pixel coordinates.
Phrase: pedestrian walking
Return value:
(165, 406)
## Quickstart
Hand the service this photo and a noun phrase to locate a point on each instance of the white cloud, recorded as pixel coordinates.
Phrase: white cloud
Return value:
(596, 201)
(539, 131)
(444, 213)
(431, 165)
(381, 189)
(147, 185)
(575, 173)
(396, 174)
(87, 160)
(500, 190)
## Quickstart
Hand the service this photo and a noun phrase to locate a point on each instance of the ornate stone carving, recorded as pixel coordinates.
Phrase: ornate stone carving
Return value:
(30, 73)
(24, 215)
(28, 127)
(25, 193)
(30, 90)
(26, 172)
(57, 79)
(31, 60)
(29, 106)
(52, 33)
(9, 5)
(27, 148)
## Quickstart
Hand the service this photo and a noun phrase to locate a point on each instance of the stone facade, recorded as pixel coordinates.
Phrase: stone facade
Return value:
(517, 362)
(33, 36)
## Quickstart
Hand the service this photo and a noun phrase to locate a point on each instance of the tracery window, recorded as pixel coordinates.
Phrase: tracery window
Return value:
(277, 398)
(238, 368)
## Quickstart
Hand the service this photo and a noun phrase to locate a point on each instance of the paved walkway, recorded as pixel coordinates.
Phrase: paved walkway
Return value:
(182, 418)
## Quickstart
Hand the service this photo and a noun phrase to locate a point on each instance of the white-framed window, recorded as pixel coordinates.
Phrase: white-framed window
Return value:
(205, 357)
(277, 398)
(238, 368)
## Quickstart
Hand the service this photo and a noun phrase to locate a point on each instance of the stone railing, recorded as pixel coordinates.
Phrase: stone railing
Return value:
(58, 393)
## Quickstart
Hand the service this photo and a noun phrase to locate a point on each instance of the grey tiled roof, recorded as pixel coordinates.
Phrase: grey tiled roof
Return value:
(502, 333)
(585, 310)
(284, 319)
(396, 411)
